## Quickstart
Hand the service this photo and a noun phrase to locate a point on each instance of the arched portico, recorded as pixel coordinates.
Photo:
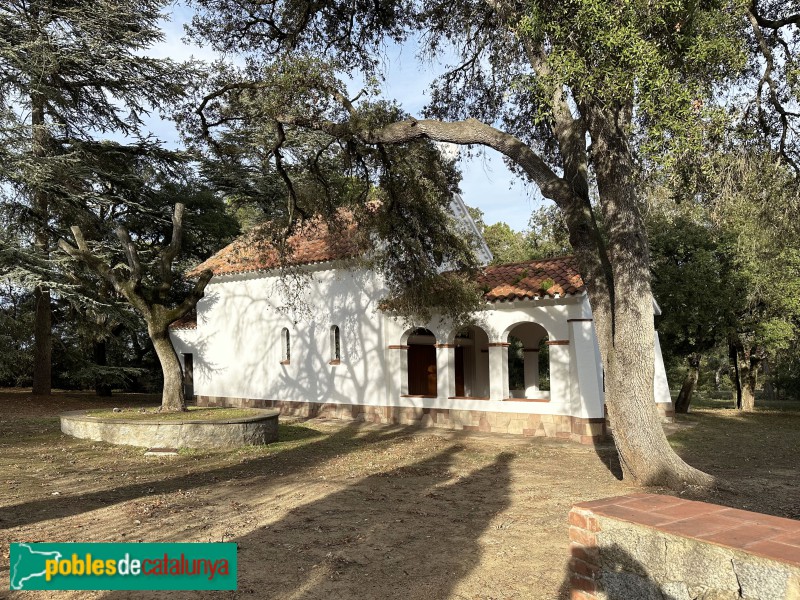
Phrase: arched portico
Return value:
(420, 364)
(528, 361)
(470, 347)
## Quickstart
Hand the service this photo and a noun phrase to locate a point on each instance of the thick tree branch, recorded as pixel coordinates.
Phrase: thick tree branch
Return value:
(84, 255)
(276, 152)
(773, 23)
(125, 287)
(768, 80)
(192, 299)
(169, 253)
(570, 131)
(468, 132)
(131, 254)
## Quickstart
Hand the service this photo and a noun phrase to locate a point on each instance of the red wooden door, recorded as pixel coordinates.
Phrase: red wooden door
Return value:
(421, 370)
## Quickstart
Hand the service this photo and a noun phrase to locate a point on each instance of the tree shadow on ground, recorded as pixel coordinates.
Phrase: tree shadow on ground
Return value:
(272, 469)
(607, 453)
(623, 577)
(357, 543)
(753, 455)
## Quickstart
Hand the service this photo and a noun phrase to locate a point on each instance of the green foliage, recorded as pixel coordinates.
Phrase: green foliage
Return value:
(74, 75)
(547, 235)
(757, 203)
(695, 282)
(506, 245)
(398, 194)
(16, 335)
(726, 261)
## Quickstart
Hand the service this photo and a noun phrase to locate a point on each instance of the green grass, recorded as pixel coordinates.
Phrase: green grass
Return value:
(193, 414)
(724, 400)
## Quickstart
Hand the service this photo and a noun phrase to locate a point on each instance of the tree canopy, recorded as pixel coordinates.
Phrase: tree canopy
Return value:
(576, 95)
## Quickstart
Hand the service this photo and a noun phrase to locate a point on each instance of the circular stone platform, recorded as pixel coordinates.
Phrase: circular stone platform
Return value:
(152, 433)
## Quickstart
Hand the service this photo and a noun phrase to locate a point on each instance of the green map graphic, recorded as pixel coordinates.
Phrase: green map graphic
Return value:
(27, 564)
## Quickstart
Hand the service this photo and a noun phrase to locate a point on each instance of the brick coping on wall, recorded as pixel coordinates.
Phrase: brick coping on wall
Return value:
(576, 429)
(772, 537)
(769, 537)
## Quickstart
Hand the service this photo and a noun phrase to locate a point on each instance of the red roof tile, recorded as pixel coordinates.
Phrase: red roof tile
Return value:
(313, 242)
(529, 279)
(316, 242)
(186, 322)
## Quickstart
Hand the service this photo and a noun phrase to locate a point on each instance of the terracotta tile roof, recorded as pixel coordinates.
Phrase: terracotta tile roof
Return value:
(186, 322)
(527, 279)
(313, 242)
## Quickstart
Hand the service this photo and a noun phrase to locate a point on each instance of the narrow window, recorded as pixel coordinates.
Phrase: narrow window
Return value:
(285, 346)
(336, 346)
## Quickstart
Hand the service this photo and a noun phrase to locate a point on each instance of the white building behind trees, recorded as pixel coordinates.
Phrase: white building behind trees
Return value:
(316, 342)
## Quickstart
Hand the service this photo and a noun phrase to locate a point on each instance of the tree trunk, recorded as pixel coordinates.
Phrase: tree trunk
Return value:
(689, 383)
(747, 363)
(748, 396)
(43, 326)
(172, 398)
(769, 388)
(101, 387)
(626, 333)
(43, 342)
(157, 316)
(753, 361)
(736, 378)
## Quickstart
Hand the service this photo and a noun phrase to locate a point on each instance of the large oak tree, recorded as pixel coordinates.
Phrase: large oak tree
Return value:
(578, 96)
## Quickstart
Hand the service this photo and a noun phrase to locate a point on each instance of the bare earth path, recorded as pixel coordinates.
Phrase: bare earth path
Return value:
(345, 510)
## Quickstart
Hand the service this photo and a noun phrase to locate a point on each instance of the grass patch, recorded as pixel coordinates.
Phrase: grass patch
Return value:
(194, 413)
(723, 400)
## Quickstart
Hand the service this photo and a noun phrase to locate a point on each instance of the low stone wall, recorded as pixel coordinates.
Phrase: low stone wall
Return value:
(225, 433)
(576, 429)
(666, 411)
(649, 547)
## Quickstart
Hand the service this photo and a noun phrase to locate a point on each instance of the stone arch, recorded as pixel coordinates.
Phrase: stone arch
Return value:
(471, 371)
(420, 374)
(528, 361)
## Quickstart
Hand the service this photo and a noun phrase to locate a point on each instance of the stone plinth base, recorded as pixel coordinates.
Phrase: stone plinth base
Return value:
(152, 433)
(576, 429)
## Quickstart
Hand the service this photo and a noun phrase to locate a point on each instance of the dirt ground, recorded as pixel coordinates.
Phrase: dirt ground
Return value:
(342, 510)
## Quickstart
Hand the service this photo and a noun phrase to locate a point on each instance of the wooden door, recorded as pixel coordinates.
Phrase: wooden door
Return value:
(460, 371)
(421, 370)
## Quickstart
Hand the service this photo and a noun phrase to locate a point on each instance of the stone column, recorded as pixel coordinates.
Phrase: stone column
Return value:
(531, 356)
(498, 370)
(397, 363)
(559, 371)
(587, 371)
(445, 371)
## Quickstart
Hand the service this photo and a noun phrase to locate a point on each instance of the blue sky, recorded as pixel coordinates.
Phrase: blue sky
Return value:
(486, 183)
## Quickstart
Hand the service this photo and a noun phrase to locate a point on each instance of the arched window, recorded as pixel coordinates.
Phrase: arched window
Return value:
(285, 346)
(336, 345)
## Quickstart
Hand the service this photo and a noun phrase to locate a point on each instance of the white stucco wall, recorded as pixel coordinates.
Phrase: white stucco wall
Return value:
(237, 345)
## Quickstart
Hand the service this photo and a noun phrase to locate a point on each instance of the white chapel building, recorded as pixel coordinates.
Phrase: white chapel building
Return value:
(316, 343)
